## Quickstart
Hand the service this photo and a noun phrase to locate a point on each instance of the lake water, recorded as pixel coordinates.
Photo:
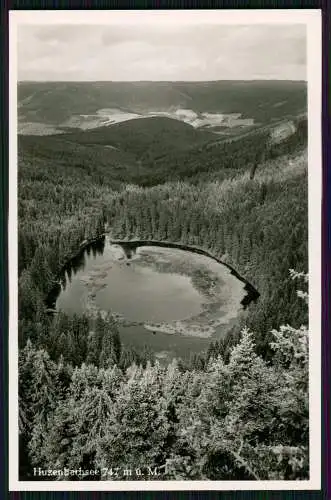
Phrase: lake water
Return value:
(172, 300)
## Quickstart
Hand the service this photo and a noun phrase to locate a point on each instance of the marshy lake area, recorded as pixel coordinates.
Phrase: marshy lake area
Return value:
(171, 299)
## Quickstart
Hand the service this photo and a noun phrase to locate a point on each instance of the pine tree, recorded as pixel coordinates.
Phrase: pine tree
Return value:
(137, 427)
(39, 390)
(111, 345)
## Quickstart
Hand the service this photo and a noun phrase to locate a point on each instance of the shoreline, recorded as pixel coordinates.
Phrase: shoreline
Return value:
(251, 295)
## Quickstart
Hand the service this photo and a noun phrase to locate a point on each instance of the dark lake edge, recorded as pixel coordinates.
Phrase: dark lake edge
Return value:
(131, 245)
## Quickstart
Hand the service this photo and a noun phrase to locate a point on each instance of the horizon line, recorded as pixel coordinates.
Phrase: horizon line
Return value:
(168, 81)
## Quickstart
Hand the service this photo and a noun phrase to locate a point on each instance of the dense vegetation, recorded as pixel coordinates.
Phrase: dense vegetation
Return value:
(238, 411)
(241, 420)
(147, 152)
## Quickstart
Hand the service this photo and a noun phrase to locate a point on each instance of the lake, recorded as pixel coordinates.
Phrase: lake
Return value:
(170, 299)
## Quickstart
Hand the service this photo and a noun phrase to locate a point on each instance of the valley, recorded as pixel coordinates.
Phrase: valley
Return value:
(159, 225)
(224, 108)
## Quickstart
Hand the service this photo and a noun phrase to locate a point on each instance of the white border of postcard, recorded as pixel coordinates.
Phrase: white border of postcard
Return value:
(312, 19)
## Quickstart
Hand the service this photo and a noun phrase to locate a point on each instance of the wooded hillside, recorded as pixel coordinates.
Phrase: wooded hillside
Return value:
(238, 411)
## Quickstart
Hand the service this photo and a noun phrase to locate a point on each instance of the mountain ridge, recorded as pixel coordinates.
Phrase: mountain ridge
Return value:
(85, 104)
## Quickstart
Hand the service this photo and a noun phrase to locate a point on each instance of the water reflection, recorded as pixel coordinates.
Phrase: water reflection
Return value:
(98, 246)
(150, 285)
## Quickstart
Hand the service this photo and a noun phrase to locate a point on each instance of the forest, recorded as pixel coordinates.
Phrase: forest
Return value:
(237, 411)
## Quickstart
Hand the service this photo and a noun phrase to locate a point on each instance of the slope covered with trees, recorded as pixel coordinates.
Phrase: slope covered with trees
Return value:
(241, 419)
(238, 411)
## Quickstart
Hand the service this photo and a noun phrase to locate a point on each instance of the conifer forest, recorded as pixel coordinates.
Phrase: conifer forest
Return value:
(106, 395)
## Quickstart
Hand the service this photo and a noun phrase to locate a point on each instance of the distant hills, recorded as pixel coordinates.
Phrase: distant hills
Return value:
(149, 133)
(223, 107)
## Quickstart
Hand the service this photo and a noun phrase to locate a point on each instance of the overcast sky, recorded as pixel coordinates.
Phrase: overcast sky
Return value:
(163, 52)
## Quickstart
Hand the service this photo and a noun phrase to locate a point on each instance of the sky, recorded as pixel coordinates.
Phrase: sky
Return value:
(170, 52)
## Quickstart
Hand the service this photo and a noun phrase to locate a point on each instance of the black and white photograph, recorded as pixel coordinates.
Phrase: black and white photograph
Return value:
(165, 265)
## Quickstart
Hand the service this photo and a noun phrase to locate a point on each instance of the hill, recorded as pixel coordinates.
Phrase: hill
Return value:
(231, 105)
(156, 135)
(150, 151)
(244, 200)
